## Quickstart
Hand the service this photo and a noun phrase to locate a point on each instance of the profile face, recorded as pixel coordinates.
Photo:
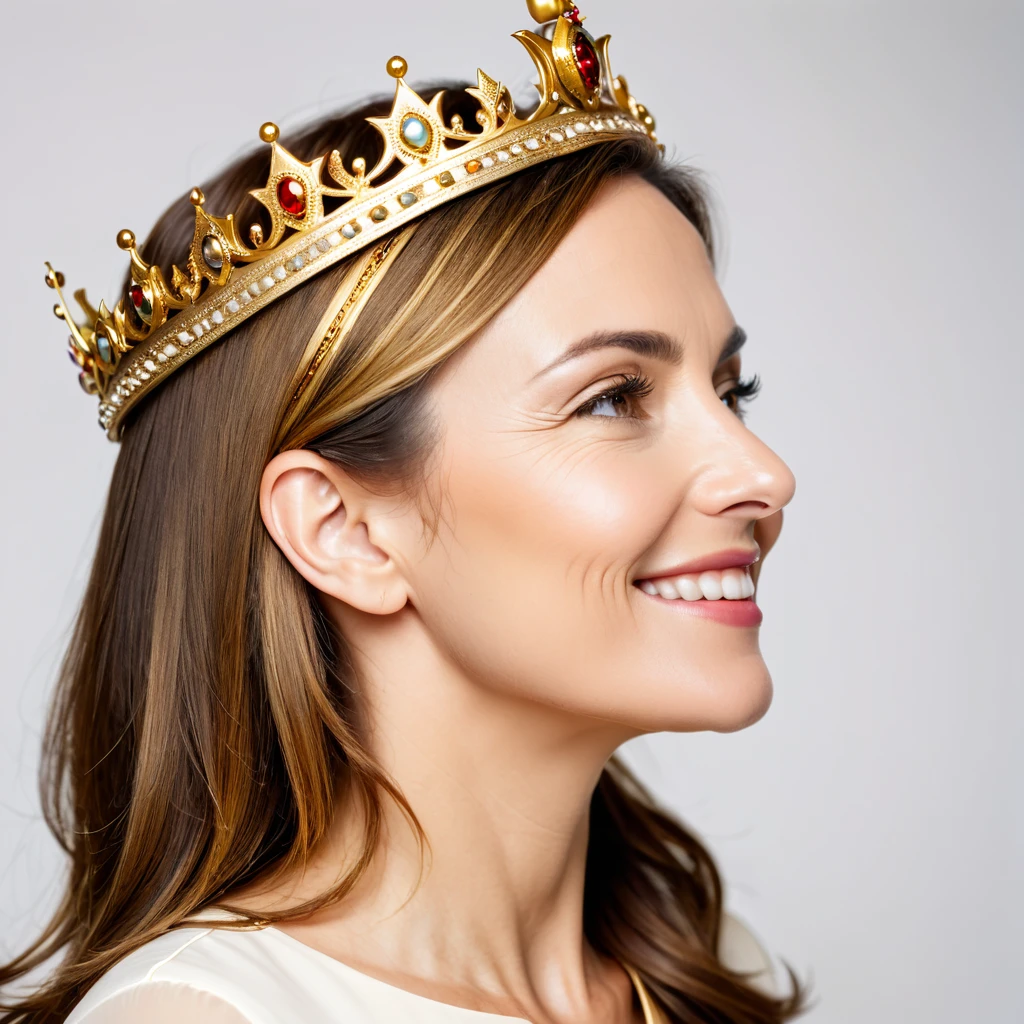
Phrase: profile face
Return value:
(567, 506)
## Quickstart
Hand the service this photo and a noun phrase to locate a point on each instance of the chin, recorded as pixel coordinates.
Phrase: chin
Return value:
(733, 703)
(748, 706)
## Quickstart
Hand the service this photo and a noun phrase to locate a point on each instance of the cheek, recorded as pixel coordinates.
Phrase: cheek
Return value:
(582, 514)
(531, 567)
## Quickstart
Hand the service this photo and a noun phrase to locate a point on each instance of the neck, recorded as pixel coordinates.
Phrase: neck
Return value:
(501, 786)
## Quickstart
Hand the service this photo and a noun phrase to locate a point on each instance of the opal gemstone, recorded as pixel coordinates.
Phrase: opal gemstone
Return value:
(415, 133)
(213, 253)
(586, 61)
(407, 198)
(378, 213)
(292, 197)
(103, 348)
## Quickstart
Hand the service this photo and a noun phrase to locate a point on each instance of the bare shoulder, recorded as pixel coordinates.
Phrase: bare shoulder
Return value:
(740, 950)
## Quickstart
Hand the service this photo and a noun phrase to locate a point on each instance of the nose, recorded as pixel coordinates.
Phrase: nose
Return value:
(739, 476)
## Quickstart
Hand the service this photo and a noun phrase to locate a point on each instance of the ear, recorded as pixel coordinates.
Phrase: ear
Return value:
(323, 522)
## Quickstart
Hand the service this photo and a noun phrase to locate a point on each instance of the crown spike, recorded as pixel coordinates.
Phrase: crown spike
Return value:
(196, 197)
(269, 132)
(125, 240)
(397, 67)
(546, 10)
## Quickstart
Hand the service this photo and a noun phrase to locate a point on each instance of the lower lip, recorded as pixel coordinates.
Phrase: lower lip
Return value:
(730, 613)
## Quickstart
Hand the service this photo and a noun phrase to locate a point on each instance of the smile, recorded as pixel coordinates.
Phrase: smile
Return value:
(717, 587)
(734, 584)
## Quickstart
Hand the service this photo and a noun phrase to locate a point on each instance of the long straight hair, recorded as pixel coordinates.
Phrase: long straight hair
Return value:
(203, 726)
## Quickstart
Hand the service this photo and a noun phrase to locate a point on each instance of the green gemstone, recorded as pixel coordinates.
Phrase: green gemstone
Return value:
(378, 213)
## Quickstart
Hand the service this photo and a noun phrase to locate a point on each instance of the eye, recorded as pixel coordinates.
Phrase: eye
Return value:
(742, 392)
(620, 401)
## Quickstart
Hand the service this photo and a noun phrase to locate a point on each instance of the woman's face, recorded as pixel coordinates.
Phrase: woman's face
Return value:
(592, 453)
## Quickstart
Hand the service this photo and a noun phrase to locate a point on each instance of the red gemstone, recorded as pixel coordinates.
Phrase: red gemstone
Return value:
(586, 61)
(292, 197)
(574, 15)
(138, 295)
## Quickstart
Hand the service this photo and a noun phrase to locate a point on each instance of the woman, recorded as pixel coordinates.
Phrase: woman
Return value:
(458, 499)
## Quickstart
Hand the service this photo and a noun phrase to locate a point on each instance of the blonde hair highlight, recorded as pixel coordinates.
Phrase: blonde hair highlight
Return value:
(206, 721)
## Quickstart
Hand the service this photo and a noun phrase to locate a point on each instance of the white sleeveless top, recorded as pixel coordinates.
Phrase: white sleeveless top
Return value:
(265, 976)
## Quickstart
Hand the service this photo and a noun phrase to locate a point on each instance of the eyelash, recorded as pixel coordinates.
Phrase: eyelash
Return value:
(743, 392)
(634, 386)
(637, 386)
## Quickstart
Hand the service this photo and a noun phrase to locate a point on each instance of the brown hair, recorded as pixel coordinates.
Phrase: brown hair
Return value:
(203, 719)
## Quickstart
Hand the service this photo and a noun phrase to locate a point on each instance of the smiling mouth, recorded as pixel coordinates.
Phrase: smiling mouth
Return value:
(733, 584)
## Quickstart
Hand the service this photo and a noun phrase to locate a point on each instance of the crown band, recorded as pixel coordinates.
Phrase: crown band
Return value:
(158, 326)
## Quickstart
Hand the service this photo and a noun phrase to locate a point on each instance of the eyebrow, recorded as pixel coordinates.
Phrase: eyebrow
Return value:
(651, 344)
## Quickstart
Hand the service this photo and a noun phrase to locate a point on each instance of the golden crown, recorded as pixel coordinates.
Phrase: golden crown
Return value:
(157, 326)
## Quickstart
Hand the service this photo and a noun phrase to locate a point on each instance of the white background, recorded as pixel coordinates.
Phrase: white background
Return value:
(868, 161)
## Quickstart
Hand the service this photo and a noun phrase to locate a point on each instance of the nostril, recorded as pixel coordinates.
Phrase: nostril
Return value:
(751, 508)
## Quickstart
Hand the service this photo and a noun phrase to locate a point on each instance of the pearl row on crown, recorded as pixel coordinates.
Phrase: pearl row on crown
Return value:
(160, 359)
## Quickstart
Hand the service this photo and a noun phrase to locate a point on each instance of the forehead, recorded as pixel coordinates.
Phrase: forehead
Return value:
(632, 260)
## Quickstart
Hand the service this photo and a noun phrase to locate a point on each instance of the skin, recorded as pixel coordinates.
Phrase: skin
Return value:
(504, 656)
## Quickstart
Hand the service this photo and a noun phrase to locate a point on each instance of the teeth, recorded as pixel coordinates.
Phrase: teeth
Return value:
(714, 585)
(711, 584)
(732, 585)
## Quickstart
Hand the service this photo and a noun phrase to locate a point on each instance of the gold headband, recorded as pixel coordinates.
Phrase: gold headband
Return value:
(349, 300)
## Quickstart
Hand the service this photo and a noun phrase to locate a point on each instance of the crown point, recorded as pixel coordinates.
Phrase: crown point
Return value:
(546, 10)
(54, 278)
(125, 239)
(269, 132)
(196, 197)
(58, 311)
(397, 67)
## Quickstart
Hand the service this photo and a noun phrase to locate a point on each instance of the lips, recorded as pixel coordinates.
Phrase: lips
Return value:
(718, 586)
(738, 558)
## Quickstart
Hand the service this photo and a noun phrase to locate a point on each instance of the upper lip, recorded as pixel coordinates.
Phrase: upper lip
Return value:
(728, 559)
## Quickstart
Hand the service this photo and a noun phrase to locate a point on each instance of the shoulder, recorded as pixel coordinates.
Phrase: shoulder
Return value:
(205, 975)
(740, 950)
(161, 968)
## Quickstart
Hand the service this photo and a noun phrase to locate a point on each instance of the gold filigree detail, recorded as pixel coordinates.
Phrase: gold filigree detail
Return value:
(421, 154)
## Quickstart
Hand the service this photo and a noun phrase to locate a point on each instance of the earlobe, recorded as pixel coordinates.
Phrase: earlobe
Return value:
(317, 515)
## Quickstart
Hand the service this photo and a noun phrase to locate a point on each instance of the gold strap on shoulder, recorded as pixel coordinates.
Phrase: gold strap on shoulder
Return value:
(652, 1012)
